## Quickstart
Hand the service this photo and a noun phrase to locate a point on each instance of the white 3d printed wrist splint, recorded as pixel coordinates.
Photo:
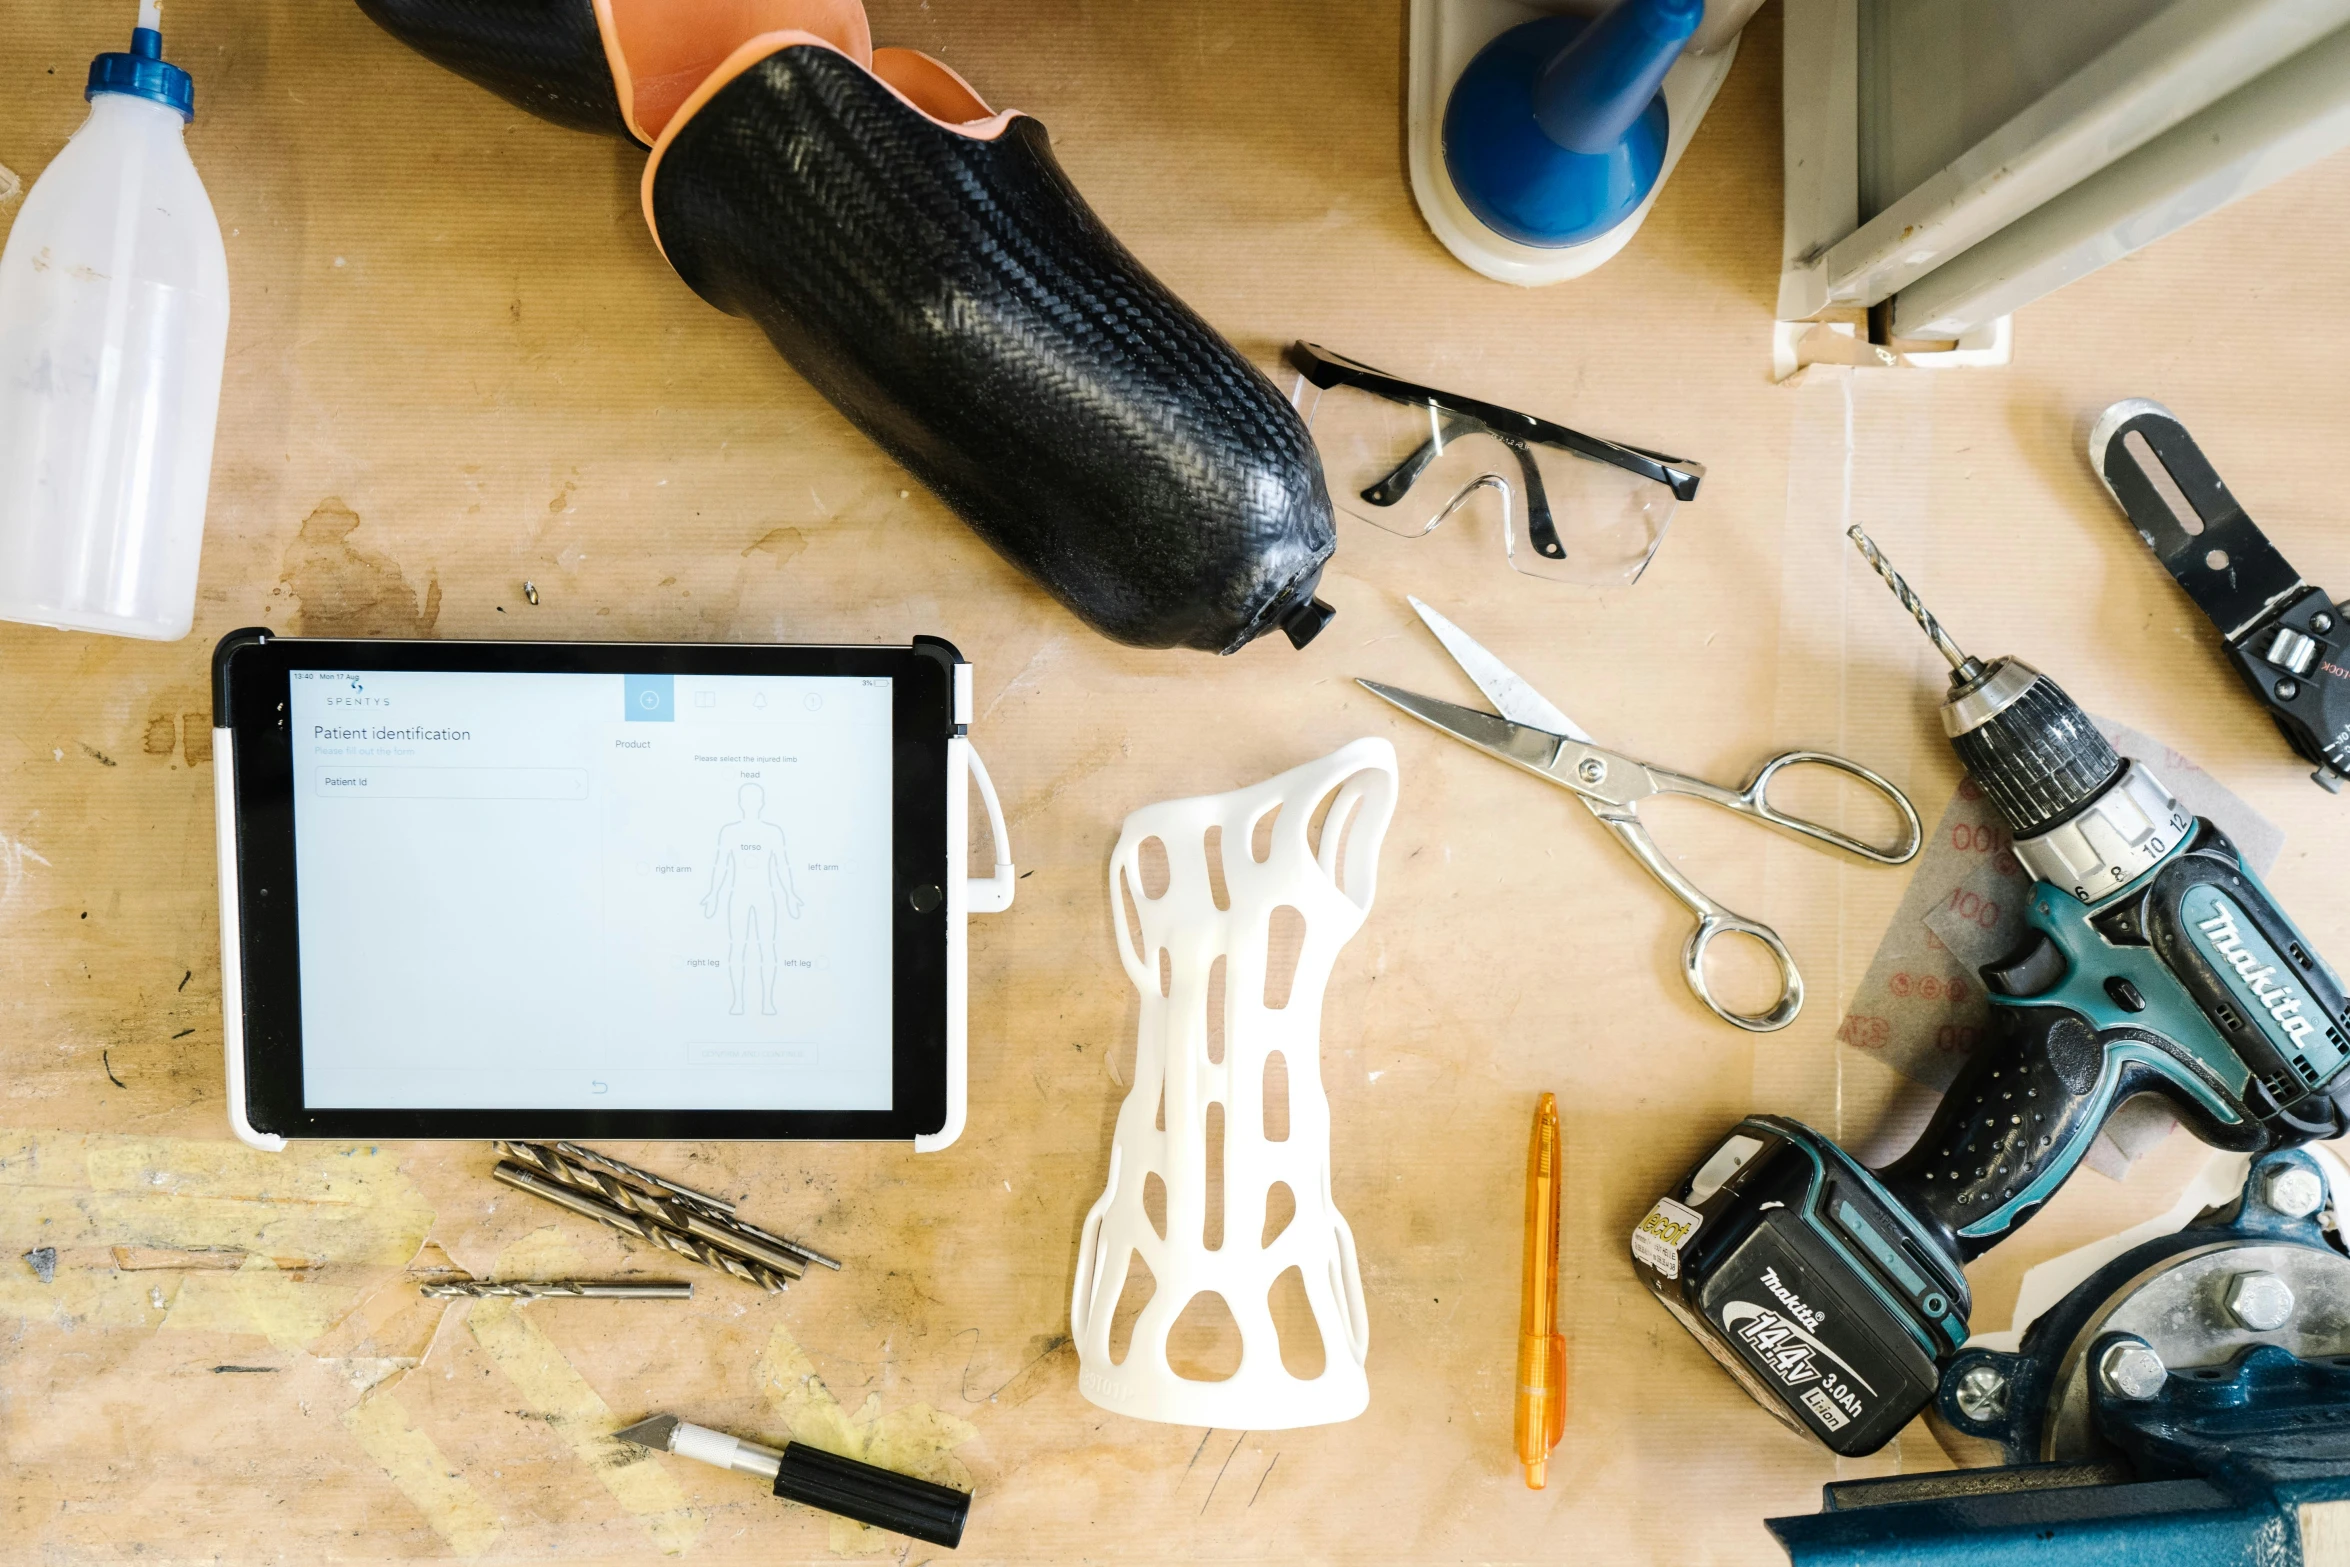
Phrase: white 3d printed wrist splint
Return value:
(1184, 931)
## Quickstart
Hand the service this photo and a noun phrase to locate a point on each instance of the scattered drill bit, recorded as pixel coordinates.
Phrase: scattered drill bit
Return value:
(579, 1202)
(43, 1261)
(718, 1205)
(676, 1214)
(530, 591)
(637, 1174)
(693, 1221)
(772, 1239)
(560, 1289)
(654, 1196)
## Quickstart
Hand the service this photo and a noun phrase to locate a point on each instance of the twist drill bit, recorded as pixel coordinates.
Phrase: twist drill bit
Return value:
(643, 1177)
(562, 1289)
(719, 1207)
(641, 1191)
(792, 1246)
(1967, 667)
(662, 1209)
(676, 1215)
(701, 1251)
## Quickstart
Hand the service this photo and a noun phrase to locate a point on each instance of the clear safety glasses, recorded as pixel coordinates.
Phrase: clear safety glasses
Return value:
(1404, 457)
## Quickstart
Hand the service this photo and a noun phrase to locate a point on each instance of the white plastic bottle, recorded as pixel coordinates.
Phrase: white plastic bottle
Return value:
(113, 330)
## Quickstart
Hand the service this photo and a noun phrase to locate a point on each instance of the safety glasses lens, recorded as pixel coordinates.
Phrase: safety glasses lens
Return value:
(1408, 467)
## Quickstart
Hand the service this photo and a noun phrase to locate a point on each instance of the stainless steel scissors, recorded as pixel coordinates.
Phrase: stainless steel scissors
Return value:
(1534, 735)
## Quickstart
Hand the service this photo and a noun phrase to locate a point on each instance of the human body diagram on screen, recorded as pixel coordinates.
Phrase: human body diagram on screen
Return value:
(751, 880)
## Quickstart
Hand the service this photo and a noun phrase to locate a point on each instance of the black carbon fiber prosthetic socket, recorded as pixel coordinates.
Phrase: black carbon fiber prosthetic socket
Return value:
(542, 56)
(960, 303)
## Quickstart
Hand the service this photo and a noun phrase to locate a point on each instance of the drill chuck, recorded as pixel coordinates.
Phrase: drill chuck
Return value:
(2028, 744)
(2031, 748)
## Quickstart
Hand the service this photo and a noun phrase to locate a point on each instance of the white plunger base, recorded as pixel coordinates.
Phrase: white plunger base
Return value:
(1446, 35)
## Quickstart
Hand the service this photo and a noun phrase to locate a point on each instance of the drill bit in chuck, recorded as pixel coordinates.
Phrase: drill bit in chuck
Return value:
(2029, 746)
(1967, 668)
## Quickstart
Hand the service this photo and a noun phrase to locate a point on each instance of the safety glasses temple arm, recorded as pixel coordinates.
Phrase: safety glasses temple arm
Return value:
(1540, 527)
(1397, 483)
(1327, 370)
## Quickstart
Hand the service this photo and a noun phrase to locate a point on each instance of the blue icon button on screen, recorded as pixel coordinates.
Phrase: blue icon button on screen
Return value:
(652, 699)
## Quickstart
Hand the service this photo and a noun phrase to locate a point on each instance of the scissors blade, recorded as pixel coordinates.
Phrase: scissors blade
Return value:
(1522, 744)
(1508, 691)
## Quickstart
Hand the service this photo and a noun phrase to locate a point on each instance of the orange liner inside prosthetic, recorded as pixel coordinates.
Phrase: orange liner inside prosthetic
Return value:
(661, 50)
(917, 78)
(930, 86)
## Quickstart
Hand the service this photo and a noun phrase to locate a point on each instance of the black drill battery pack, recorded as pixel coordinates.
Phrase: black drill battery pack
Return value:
(1811, 1286)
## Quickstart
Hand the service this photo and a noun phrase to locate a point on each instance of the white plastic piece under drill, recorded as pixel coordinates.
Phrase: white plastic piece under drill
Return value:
(1183, 934)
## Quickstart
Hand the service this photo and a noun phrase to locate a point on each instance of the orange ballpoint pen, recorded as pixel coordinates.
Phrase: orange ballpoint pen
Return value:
(1542, 1349)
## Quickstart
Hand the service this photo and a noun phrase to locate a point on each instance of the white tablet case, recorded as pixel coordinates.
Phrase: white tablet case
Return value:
(965, 896)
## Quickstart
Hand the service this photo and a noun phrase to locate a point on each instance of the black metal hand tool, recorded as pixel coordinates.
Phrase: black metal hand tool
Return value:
(2283, 634)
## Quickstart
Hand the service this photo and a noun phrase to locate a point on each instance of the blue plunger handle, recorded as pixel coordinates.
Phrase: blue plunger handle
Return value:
(1589, 95)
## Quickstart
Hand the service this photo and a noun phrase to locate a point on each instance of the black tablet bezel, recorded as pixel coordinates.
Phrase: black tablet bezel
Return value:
(250, 693)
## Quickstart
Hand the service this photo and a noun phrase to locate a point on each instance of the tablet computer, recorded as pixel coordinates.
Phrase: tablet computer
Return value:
(613, 890)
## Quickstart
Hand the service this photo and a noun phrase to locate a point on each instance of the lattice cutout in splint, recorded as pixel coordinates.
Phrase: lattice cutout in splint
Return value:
(1230, 910)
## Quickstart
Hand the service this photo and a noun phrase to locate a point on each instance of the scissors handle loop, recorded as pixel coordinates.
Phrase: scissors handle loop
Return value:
(1720, 922)
(1755, 800)
(1712, 920)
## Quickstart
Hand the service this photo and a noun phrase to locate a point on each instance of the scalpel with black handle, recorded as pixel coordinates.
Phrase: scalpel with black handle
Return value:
(815, 1478)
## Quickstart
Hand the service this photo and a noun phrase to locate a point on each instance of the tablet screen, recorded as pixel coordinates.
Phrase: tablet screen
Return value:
(594, 891)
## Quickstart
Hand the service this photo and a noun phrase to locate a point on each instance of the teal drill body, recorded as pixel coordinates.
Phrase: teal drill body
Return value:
(2154, 960)
(2246, 1028)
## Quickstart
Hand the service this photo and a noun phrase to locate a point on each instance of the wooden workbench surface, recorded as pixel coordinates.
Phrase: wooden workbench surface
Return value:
(457, 362)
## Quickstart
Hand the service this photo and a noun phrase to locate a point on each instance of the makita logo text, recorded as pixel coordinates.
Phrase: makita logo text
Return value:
(1810, 1316)
(2281, 1001)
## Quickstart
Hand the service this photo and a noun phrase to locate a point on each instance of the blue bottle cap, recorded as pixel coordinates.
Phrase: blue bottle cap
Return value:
(144, 73)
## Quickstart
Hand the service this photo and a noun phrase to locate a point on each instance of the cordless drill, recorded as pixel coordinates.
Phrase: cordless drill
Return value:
(2156, 962)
